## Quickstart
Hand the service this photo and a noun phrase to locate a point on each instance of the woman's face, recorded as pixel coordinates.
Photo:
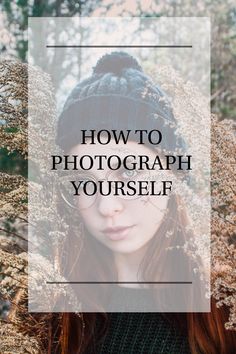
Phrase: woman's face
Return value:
(122, 225)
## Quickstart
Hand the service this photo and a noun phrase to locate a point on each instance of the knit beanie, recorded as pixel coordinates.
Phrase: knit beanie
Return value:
(118, 95)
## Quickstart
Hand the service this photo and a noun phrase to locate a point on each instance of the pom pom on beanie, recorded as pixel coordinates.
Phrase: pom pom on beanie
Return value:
(115, 63)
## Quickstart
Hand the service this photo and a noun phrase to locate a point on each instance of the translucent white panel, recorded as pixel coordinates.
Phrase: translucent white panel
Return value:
(119, 164)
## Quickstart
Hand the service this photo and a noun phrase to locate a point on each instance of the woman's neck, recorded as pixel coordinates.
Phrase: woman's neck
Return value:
(128, 265)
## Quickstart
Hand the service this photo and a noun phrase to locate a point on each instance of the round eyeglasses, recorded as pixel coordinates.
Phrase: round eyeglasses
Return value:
(81, 190)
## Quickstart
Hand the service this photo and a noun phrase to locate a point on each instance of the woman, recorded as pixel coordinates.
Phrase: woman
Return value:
(130, 233)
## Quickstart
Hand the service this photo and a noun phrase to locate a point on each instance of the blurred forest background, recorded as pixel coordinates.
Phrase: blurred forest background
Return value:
(13, 40)
(13, 45)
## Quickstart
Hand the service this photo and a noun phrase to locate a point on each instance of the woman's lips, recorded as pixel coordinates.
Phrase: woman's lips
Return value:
(117, 233)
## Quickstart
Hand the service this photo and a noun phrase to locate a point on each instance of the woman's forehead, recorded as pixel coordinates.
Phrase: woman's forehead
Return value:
(112, 148)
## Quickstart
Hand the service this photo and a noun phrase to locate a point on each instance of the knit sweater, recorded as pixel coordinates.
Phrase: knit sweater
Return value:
(143, 333)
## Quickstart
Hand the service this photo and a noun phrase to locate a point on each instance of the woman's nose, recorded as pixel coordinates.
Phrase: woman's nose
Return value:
(109, 205)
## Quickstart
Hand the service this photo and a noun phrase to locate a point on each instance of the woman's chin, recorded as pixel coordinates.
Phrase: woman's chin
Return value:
(124, 246)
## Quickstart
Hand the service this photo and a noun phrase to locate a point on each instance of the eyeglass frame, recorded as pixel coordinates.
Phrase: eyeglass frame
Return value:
(94, 179)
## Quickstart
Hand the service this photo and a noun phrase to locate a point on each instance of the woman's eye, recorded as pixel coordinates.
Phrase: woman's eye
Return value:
(84, 180)
(129, 174)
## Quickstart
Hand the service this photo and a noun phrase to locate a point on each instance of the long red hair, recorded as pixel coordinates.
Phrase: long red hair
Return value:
(206, 332)
(74, 334)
